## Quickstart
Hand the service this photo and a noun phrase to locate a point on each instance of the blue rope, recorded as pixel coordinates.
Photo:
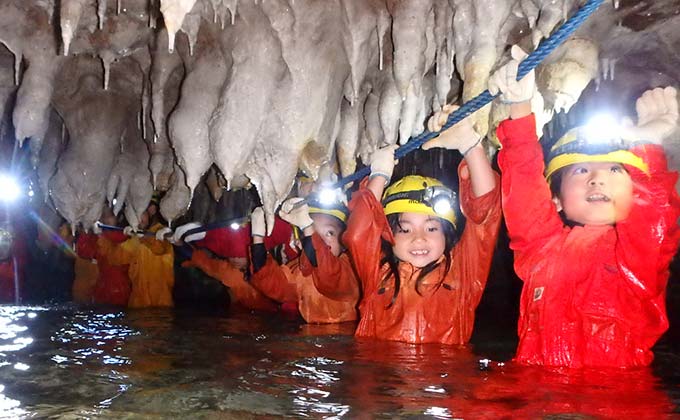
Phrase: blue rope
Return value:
(534, 59)
(544, 48)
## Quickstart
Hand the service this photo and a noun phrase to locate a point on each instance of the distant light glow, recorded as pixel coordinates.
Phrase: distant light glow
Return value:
(9, 188)
(234, 226)
(438, 412)
(114, 201)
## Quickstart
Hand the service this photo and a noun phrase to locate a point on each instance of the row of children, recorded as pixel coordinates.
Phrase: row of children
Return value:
(593, 231)
(593, 235)
(121, 268)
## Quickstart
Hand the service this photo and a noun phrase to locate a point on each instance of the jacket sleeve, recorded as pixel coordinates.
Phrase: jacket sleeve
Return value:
(217, 268)
(475, 249)
(333, 276)
(530, 214)
(276, 282)
(366, 226)
(648, 237)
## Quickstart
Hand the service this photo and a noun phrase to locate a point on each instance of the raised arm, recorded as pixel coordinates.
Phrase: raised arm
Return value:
(530, 214)
(648, 237)
(333, 276)
(468, 142)
(474, 251)
(366, 226)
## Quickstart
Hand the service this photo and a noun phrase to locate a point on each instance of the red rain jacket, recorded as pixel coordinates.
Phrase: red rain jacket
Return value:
(442, 314)
(113, 283)
(7, 285)
(327, 293)
(226, 242)
(593, 295)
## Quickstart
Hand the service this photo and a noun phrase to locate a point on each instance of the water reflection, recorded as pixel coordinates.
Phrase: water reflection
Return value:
(8, 407)
(69, 362)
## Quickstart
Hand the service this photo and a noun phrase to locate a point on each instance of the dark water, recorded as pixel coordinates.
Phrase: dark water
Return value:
(66, 362)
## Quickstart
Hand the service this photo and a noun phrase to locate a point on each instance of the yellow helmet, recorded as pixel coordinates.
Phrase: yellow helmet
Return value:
(420, 194)
(337, 210)
(577, 146)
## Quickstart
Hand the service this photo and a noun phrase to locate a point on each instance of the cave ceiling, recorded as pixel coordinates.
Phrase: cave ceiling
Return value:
(113, 100)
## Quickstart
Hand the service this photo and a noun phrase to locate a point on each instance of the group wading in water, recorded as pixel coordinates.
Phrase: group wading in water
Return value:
(592, 224)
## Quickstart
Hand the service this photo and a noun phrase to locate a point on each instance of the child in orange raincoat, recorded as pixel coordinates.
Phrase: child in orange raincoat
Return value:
(421, 277)
(594, 252)
(321, 281)
(228, 263)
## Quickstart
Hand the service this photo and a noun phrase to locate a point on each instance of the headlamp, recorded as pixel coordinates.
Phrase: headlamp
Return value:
(601, 135)
(234, 226)
(602, 128)
(440, 198)
(329, 196)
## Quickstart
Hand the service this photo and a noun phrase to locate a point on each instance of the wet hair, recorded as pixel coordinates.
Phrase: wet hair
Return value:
(556, 182)
(451, 237)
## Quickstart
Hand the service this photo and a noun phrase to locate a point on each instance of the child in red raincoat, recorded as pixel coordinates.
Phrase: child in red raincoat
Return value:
(595, 279)
(12, 260)
(321, 281)
(113, 283)
(421, 277)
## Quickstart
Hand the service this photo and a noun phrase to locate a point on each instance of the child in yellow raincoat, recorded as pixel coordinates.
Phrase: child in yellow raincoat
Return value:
(151, 266)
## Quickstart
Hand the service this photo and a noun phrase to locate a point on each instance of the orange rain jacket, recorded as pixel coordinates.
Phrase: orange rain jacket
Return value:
(151, 270)
(241, 292)
(442, 314)
(593, 295)
(325, 294)
(113, 283)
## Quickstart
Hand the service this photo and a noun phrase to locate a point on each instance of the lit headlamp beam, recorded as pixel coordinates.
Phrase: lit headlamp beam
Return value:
(326, 196)
(602, 128)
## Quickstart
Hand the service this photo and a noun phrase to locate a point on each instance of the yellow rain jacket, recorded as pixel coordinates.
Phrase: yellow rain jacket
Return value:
(151, 270)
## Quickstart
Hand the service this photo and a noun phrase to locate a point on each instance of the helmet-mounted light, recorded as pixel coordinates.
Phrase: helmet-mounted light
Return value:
(329, 196)
(329, 201)
(600, 140)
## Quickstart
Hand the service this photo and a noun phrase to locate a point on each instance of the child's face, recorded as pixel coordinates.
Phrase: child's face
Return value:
(419, 239)
(595, 193)
(330, 229)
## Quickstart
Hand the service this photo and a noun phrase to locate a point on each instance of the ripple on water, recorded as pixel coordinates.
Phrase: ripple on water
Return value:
(66, 362)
